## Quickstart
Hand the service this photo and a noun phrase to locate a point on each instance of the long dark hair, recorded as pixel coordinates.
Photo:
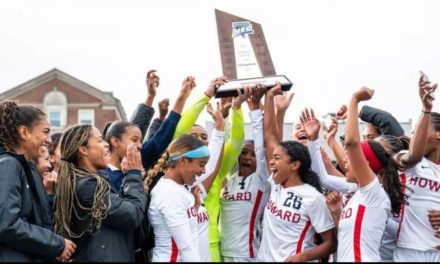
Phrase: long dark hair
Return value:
(299, 152)
(56, 140)
(115, 129)
(12, 116)
(390, 176)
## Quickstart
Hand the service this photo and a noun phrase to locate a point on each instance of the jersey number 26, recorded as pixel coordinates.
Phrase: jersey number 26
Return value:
(293, 201)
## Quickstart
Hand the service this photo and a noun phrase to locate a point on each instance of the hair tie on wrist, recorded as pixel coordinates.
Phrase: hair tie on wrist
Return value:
(426, 112)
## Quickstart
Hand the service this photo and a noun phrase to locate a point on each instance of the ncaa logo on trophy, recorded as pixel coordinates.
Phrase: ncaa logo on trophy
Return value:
(245, 56)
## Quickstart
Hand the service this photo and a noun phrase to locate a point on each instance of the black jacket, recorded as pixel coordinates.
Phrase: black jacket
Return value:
(141, 117)
(115, 240)
(26, 225)
(387, 124)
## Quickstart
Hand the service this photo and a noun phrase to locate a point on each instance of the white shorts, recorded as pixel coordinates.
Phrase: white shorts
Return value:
(414, 255)
(233, 259)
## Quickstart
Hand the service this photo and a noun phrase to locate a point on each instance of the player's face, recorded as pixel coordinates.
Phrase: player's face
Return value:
(369, 132)
(280, 165)
(433, 139)
(43, 164)
(299, 134)
(132, 135)
(96, 150)
(192, 168)
(199, 133)
(246, 161)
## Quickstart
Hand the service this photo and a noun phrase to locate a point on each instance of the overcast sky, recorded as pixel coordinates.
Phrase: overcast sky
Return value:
(329, 49)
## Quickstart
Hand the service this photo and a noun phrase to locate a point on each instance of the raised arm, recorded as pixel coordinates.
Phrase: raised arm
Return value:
(364, 174)
(282, 103)
(215, 147)
(144, 112)
(312, 126)
(419, 138)
(153, 148)
(386, 122)
(163, 111)
(337, 149)
(190, 115)
(270, 126)
(256, 116)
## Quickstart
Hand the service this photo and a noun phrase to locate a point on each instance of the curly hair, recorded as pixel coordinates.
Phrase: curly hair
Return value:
(299, 152)
(12, 116)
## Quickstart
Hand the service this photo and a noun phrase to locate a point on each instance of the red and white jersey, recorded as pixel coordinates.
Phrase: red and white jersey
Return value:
(389, 239)
(292, 217)
(171, 205)
(362, 224)
(422, 192)
(203, 229)
(242, 205)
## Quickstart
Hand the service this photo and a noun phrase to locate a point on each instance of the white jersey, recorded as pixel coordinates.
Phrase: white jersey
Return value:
(292, 217)
(389, 239)
(243, 200)
(422, 192)
(242, 205)
(171, 209)
(203, 229)
(362, 224)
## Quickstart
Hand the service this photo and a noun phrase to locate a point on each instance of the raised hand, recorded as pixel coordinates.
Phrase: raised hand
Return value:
(330, 132)
(363, 94)
(426, 90)
(334, 201)
(217, 116)
(283, 101)
(132, 159)
(342, 112)
(188, 85)
(152, 81)
(310, 124)
(215, 84)
(276, 90)
(258, 91)
(241, 97)
(226, 103)
(163, 108)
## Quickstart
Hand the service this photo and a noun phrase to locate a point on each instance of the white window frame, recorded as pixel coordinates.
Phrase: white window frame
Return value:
(61, 118)
(62, 108)
(81, 111)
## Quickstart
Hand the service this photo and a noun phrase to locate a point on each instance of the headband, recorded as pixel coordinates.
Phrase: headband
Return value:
(373, 161)
(197, 153)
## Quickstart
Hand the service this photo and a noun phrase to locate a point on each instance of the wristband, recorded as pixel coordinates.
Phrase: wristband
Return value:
(426, 112)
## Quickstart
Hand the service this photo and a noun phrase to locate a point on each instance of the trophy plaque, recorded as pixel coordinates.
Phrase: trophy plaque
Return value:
(245, 56)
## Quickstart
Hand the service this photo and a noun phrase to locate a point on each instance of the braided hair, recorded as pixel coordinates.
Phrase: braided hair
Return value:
(180, 145)
(66, 197)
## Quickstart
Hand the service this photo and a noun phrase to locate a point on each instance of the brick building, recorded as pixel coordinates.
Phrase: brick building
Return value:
(67, 100)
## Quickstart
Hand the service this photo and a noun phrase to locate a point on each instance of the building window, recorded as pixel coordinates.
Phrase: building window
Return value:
(86, 117)
(55, 106)
(55, 119)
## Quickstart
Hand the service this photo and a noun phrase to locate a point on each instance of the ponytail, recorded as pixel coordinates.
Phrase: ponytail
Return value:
(158, 167)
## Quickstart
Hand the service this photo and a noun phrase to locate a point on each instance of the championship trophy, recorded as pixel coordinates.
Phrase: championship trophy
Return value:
(245, 56)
